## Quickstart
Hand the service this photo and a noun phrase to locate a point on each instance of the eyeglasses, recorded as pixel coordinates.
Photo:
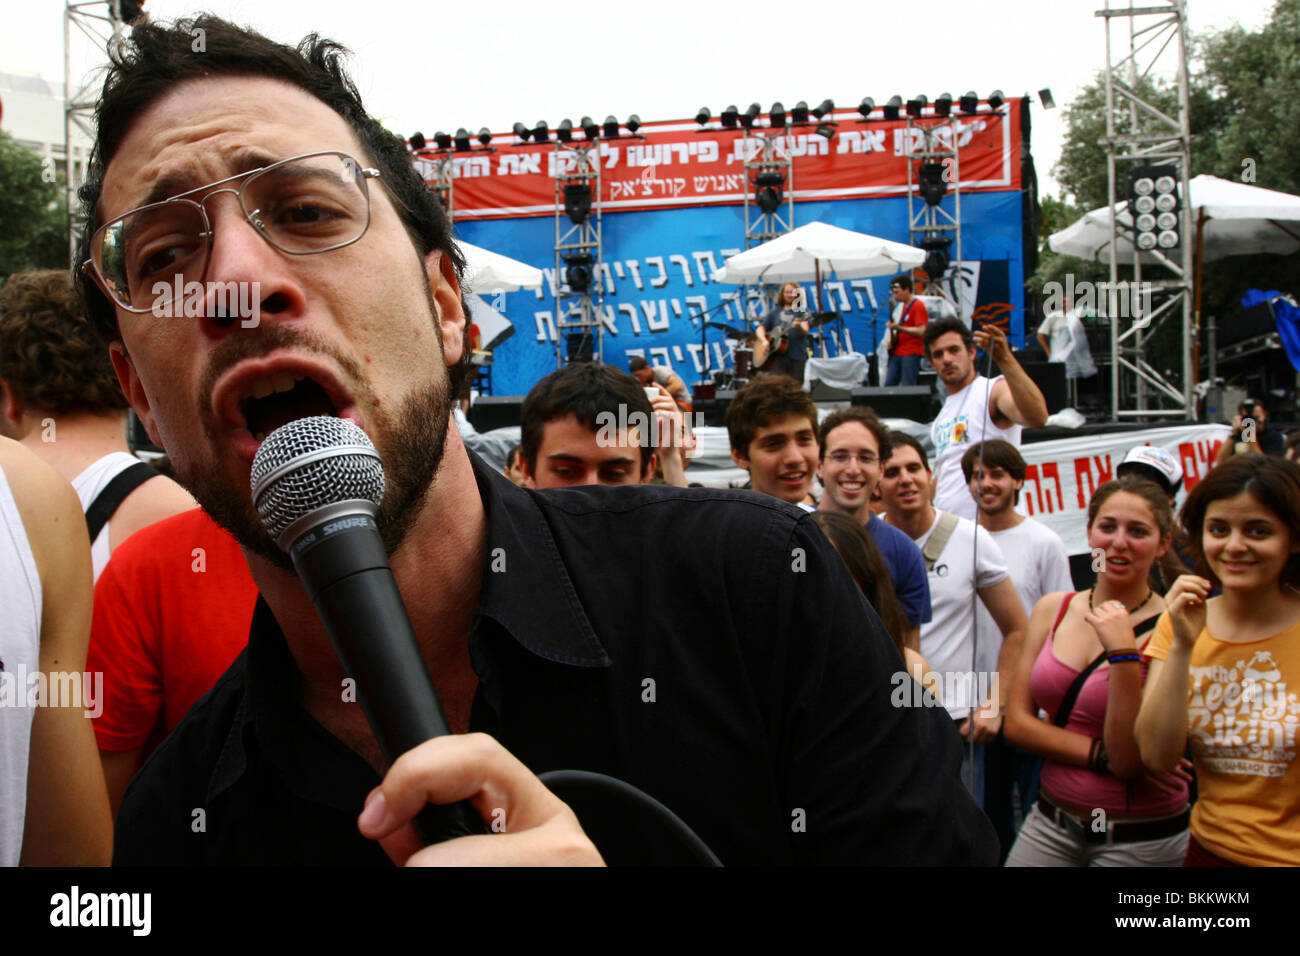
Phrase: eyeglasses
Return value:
(844, 457)
(306, 204)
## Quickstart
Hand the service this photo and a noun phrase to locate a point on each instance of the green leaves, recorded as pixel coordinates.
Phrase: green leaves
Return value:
(33, 216)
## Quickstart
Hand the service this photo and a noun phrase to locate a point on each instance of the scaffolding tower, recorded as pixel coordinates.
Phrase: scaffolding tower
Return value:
(767, 167)
(579, 293)
(1145, 134)
(932, 157)
(101, 23)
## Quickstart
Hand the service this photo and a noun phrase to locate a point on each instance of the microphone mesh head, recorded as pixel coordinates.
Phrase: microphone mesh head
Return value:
(338, 463)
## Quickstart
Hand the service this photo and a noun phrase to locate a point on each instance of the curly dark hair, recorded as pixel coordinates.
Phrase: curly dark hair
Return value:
(158, 56)
(49, 355)
(763, 401)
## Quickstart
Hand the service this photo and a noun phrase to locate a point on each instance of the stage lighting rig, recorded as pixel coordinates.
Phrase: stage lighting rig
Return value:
(751, 113)
(577, 202)
(866, 106)
(936, 257)
(577, 271)
(484, 136)
(970, 102)
(943, 105)
(633, 124)
(522, 131)
(729, 117)
(611, 127)
(768, 188)
(1154, 205)
(777, 115)
(589, 128)
(541, 132)
(916, 104)
(417, 141)
(462, 140)
(824, 109)
(892, 108)
(800, 112)
(996, 99)
(443, 140)
(703, 116)
(932, 184)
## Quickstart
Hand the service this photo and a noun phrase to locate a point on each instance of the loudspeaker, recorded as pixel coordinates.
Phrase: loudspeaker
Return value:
(495, 411)
(1050, 379)
(714, 409)
(900, 401)
(1246, 324)
(580, 346)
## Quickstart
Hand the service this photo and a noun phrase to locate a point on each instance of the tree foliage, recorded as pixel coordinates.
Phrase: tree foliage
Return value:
(33, 217)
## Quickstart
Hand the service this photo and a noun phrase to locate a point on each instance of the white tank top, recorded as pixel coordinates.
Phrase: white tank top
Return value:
(88, 485)
(20, 647)
(963, 421)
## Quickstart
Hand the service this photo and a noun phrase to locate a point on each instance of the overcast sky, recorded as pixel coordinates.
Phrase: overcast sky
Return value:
(472, 63)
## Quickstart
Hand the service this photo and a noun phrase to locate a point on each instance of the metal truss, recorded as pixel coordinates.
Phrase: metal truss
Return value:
(99, 24)
(1156, 39)
(930, 225)
(578, 311)
(766, 163)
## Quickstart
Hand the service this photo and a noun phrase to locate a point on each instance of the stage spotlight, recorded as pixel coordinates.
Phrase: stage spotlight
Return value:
(541, 132)
(824, 108)
(565, 133)
(768, 191)
(777, 115)
(610, 130)
(916, 104)
(943, 105)
(800, 112)
(1154, 204)
(589, 128)
(577, 271)
(729, 116)
(1045, 97)
(970, 102)
(931, 183)
(936, 257)
(826, 130)
(703, 116)
(462, 140)
(751, 113)
(443, 140)
(866, 106)
(633, 123)
(521, 131)
(892, 107)
(417, 141)
(996, 99)
(131, 11)
(484, 135)
(577, 202)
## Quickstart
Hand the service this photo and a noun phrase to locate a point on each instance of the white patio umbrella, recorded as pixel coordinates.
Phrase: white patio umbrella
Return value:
(814, 251)
(487, 272)
(1235, 219)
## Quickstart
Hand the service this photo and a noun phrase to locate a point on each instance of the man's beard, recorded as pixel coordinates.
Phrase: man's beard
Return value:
(410, 444)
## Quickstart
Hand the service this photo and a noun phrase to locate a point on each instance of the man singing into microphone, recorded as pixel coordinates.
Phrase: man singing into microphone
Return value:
(742, 681)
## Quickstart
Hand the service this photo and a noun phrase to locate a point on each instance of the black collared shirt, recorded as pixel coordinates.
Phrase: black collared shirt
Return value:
(708, 647)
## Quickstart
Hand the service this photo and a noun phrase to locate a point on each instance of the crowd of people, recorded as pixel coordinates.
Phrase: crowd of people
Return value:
(869, 655)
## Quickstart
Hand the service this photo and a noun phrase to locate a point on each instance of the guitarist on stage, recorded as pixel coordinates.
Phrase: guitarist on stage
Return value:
(905, 333)
(783, 335)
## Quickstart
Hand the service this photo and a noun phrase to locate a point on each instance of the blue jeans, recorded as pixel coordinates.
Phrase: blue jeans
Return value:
(902, 370)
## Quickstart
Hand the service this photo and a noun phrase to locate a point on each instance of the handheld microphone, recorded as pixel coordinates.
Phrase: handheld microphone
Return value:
(317, 483)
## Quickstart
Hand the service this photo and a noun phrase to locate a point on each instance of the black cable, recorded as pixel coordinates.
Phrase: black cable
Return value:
(600, 783)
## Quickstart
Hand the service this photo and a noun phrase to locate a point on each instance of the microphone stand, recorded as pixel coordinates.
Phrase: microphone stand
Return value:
(704, 343)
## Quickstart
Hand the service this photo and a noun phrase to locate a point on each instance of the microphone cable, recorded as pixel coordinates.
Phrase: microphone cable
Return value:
(678, 830)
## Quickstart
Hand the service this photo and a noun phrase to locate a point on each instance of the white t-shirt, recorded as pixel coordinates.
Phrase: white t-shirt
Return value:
(1036, 558)
(946, 642)
(1056, 328)
(963, 421)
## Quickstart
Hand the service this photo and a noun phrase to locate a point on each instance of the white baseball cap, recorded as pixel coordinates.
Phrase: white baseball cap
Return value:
(1153, 462)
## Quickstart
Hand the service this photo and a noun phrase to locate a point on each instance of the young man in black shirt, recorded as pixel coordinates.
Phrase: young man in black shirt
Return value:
(741, 680)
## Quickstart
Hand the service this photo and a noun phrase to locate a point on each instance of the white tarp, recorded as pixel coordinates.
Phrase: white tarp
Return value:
(487, 272)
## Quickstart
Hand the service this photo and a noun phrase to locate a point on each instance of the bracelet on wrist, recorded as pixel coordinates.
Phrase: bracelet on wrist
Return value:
(1123, 657)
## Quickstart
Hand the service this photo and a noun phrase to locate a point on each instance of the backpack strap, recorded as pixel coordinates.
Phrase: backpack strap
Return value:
(939, 539)
(114, 493)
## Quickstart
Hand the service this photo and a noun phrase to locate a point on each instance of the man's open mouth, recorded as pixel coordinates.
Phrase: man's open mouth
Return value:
(275, 400)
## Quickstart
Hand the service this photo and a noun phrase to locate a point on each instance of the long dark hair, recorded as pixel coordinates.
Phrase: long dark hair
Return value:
(865, 563)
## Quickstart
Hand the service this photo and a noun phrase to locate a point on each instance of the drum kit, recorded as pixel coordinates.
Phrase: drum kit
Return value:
(743, 354)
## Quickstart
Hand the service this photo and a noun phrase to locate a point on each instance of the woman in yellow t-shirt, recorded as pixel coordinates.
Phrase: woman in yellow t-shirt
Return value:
(1225, 671)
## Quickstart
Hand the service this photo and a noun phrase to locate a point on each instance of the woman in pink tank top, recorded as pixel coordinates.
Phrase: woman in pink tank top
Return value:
(1081, 664)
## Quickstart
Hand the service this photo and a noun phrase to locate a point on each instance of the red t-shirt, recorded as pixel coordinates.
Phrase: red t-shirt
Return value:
(169, 620)
(912, 344)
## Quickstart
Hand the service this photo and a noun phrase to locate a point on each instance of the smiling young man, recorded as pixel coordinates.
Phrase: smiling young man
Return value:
(772, 426)
(960, 558)
(539, 615)
(851, 443)
(976, 408)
